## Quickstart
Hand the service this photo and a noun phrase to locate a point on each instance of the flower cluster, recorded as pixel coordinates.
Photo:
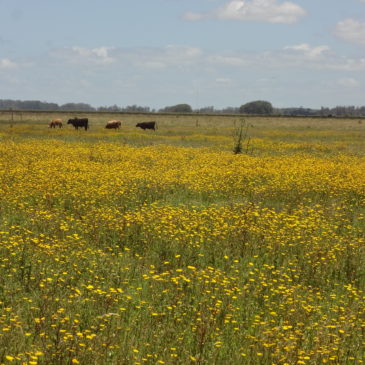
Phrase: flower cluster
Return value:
(114, 253)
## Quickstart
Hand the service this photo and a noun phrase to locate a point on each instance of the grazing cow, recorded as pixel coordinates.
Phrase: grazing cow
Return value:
(55, 123)
(147, 125)
(79, 122)
(113, 124)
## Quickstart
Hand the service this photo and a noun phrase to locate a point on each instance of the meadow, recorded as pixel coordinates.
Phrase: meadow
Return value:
(141, 247)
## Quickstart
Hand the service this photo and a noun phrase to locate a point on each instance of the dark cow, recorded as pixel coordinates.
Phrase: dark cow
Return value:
(113, 124)
(147, 125)
(79, 122)
(55, 123)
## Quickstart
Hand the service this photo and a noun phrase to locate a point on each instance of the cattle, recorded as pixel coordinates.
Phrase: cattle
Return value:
(55, 123)
(113, 124)
(79, 122)
(147, 125)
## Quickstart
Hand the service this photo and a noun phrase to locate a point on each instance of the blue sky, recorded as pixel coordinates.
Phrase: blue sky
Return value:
(157, 53)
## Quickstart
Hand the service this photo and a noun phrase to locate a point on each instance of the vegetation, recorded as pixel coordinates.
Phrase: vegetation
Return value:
(257, 107)
(143, 247)
(179, 108)
(241, 138)
(40, 105)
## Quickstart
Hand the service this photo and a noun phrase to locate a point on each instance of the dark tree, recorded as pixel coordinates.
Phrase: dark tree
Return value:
(77, 107)
(136, 109)
(257, 107)
(179, 108)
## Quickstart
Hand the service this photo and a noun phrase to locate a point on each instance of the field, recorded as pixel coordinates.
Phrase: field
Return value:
(142, 247)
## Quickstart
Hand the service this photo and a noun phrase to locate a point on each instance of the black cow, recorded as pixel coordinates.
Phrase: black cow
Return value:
(79, 122)
(147, 125)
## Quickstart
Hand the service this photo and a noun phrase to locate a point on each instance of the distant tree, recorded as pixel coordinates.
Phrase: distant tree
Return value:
(136, 109)
(113, 108)
(206, 109)
(50, 106)
(8, 104)
(230, 110)
(179, 108)
(361, 110)
(77, 107)
(27, 105)
(324, 112)
(31, 105)
(298, 111)
(344, 111)
(254, 107)
(257, 107)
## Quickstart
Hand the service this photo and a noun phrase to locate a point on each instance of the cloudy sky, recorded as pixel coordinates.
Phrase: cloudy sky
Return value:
(156, 53)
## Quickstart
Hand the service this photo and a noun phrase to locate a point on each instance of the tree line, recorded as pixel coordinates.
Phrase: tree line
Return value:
(7, 104)
(257, 107)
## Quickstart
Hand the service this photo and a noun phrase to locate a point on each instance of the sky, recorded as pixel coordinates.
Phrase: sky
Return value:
(158, 53)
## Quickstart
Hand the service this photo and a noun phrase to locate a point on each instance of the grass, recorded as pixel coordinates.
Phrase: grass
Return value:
(142, 247)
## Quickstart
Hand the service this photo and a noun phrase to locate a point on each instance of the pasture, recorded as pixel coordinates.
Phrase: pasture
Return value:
(163, 247)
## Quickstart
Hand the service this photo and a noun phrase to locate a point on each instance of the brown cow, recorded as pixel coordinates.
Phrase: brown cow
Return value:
(113, 124)
(55, 123)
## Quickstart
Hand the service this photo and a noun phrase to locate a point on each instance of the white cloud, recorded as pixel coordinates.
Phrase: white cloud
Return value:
(98, 55)
(80, 55)
(182, 52)
(5, 63)
(255, 10)
(302, 56)
(150, 58)
(309, 52)
(230, 60)
(160, 58)
(185, 58)
(351, 30)
(348, 82)
(133, 74)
